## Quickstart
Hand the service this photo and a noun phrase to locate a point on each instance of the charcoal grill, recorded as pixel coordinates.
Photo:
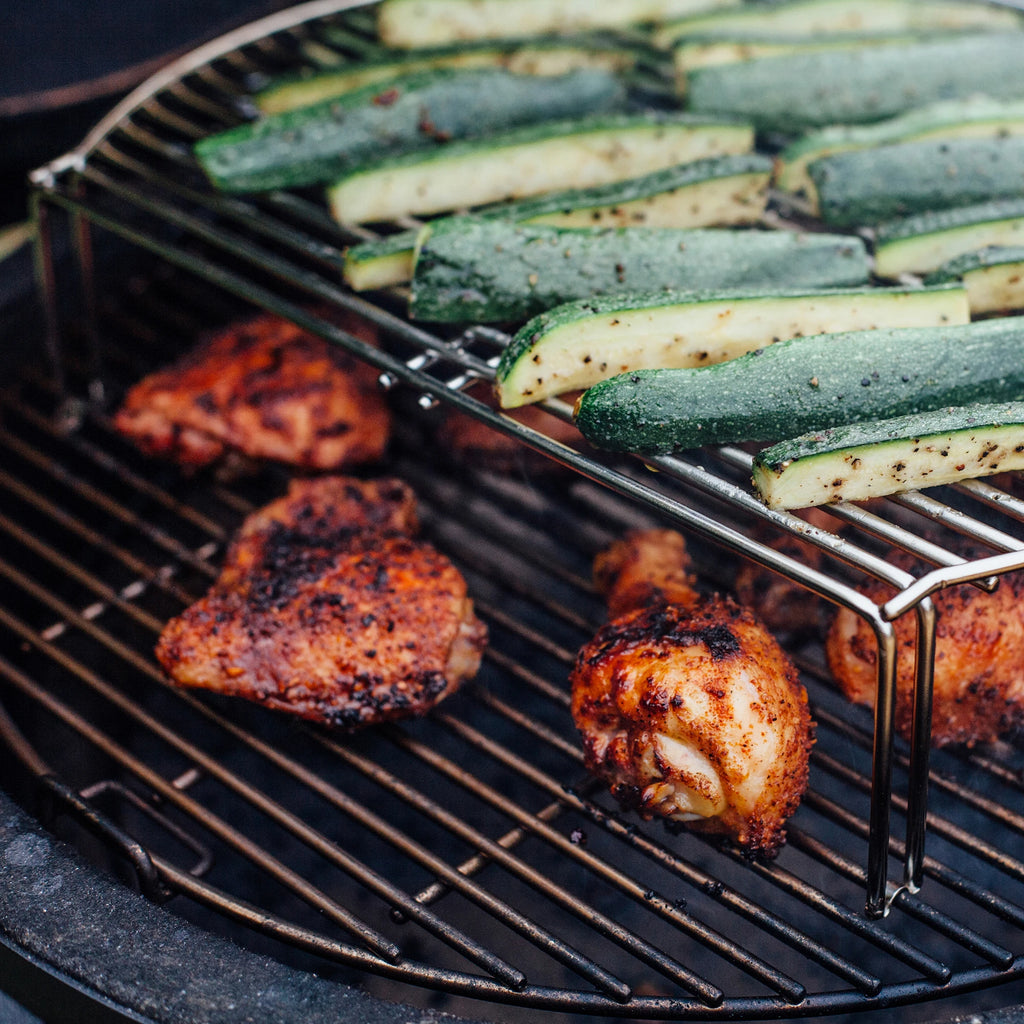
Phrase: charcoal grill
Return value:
(467, 854)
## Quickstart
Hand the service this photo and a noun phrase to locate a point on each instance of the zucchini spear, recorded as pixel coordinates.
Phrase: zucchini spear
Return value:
(574, 346)
(490, 271)
(793, 93)
(870, 460)
(550, 56)
(527, 161)
(807, 384)
(409, 24)
(993, 277)
(978, 117)
(819, 17)
(923, 242)
(867, 186)
(421, 111)
(717, 191)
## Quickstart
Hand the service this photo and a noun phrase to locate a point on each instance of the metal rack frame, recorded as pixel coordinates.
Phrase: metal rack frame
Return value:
(280, 251)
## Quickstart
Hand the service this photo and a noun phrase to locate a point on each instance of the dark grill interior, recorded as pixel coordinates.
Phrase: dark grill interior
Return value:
(468, 853)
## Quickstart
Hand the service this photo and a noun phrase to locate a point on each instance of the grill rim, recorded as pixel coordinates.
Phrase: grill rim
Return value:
(50, 183)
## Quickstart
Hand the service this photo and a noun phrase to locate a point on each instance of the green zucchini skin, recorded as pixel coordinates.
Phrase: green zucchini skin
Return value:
(573, 346)
(378, 263)
(922, 242)
(806, 384)
(490, 271)
(548, 56)
(796, 92)
(975, 117)
(426, 110)
(993, 277)
(870, 460)
(867, 186)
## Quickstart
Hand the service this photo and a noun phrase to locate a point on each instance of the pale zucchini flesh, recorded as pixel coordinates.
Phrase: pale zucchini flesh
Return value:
(407, 24)
(816, 17)
(714, 202)
(976, 117)
(382, 263)
(871, 460)
(518, 164)
(922, 243)
(574, 346)
(993, 277)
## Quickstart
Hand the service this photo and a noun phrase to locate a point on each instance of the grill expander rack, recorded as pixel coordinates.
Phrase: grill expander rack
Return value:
(131, 178)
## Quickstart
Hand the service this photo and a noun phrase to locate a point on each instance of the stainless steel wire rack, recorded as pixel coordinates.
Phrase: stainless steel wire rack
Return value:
(475, 857)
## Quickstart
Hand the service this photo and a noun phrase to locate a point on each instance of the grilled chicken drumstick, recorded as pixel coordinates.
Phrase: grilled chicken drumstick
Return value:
(694, 713)
(978, 692)
(327, 608)
(262, 390)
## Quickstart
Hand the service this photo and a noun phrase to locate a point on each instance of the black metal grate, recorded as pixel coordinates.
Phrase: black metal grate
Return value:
(468, 852)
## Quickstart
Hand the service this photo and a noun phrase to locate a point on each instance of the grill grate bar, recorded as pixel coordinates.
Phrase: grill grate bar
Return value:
(86, 490)
(680, 868)
(107, 595)
(146, 576)
(963, 838)
(824, 904)
(945, 875)
(998, 812)
(255, 798)
(373, 940)
(368, 819)
(662, 906)
(290, 213)
(965, 936)
(709, 994)
(117, 469)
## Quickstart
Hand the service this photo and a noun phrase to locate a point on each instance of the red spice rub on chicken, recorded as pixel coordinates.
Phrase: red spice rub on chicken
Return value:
(694, 713)
(326, 608)
(978, 693)
(264, 389)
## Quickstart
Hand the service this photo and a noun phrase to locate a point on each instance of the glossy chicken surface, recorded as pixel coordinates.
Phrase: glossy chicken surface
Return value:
(694, 713)
(978, 692)
(262, 390)
(327, 608)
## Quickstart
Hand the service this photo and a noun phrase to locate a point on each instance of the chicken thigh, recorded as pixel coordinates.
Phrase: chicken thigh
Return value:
(694, 713)
(262, 390)
(326, 608)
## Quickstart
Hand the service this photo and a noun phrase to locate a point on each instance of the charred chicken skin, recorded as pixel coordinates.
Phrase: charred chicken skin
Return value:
(326, 608)
(978, 692)
(694, 713)
(262, 390)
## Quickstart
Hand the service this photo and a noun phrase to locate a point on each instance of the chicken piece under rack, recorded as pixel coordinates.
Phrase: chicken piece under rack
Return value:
(978, 693)
(694, 713)
(645, 567)
(783, 605)
(325, 607)
(261, 390)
